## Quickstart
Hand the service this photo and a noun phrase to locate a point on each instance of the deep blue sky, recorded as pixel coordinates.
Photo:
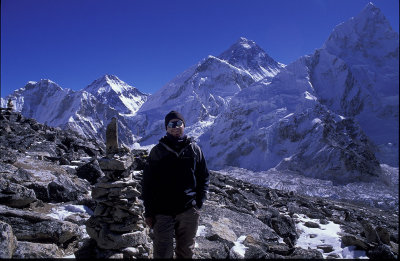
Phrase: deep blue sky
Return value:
(146, 43)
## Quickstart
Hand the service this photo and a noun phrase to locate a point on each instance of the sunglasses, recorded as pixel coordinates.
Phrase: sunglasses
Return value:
(175, 124)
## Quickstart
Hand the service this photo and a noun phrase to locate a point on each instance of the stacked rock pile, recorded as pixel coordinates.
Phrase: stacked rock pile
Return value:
(117, 225)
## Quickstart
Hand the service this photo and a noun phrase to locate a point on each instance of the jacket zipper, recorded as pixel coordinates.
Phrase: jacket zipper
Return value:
(173, 151)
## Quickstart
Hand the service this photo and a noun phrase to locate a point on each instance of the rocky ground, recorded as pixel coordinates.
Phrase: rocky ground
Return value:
(47, 176)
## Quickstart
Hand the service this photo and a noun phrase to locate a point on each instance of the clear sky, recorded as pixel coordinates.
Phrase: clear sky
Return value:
(146, 43)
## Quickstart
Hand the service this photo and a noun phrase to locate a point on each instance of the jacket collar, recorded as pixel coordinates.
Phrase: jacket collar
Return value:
(167, 143)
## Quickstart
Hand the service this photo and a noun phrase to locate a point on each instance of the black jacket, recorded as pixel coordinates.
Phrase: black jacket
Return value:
(175, 178)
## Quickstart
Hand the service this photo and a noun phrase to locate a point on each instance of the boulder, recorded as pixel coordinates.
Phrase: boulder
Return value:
(37, 227)
(384, 235)
(36, 250)
(354, 240)
(8, 242)
(14, 195)
(381, 252)
(206, 249)
(90, 171)
(300, 253)
(285, 227)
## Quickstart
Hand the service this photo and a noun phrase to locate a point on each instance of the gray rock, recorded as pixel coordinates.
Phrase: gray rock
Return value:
(381, 252)
(230, 225)
(370, 232)
(64, 189)
(311, 224)
(14, 195)
(384, 235)
(300, 253)
(36, 227)
(279, 249)
(285, 227)
(110, 240)
(206, 249)
(256, 252)
(90, 171)
(115, 163)
(8, 242)
(326, 248)
(36, 250)
(354, 240)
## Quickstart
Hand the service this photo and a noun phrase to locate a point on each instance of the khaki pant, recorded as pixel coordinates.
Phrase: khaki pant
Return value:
(183, 226)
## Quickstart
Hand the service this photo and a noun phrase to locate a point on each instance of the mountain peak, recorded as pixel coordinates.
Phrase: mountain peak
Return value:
(367, 35)
(42, 84)
(107, 83)
(241, 48)
(109, 89)
(248, 56)
(371, 12)
(107, 79)
(111, 77)
(245, 43)
(371, 9)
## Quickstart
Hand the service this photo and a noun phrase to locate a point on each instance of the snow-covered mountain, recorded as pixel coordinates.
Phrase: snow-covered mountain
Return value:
(44, 101)
(203, 92)
(248, 56)
(87, 111)
(310, 118)
(122, 97)
(356, 74)
(289, 129)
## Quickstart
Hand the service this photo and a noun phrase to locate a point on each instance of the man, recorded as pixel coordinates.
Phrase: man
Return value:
(175, 183)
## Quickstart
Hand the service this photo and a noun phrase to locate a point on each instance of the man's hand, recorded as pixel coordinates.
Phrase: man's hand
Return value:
(149, 221)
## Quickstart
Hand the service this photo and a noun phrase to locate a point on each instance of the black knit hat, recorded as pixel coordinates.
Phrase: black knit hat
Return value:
(173, 115)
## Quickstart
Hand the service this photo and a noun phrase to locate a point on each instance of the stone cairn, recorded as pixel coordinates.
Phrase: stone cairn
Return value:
(117, 225)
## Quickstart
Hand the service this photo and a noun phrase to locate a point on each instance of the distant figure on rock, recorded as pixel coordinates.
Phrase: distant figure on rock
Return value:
(175, 184)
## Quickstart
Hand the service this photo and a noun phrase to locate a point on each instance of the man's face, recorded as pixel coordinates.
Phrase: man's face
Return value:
(175, 127)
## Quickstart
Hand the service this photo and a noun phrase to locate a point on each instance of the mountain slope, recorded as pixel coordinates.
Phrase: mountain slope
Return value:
(204, 91)
(356, 74)
(248, 56)
(36, 98)
(86, 113)
(310, 118)
(122, 97)
(290, 130)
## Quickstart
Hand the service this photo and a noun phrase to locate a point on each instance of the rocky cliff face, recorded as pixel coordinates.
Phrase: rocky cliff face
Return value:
(52, 182)
(356, 74)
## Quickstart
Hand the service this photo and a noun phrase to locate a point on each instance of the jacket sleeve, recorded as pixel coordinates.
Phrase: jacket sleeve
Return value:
(148, 184)
(202, 179)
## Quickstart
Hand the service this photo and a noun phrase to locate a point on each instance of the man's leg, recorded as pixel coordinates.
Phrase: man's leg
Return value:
(185, 232)
(163, 243)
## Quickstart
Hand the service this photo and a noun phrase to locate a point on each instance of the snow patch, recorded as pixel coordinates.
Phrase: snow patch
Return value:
(238, 250)
(325, 235)
(61, 212)
(201, 231)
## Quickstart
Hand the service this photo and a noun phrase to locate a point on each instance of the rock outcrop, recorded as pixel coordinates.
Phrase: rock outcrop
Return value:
(268, 223)
(37, 176)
